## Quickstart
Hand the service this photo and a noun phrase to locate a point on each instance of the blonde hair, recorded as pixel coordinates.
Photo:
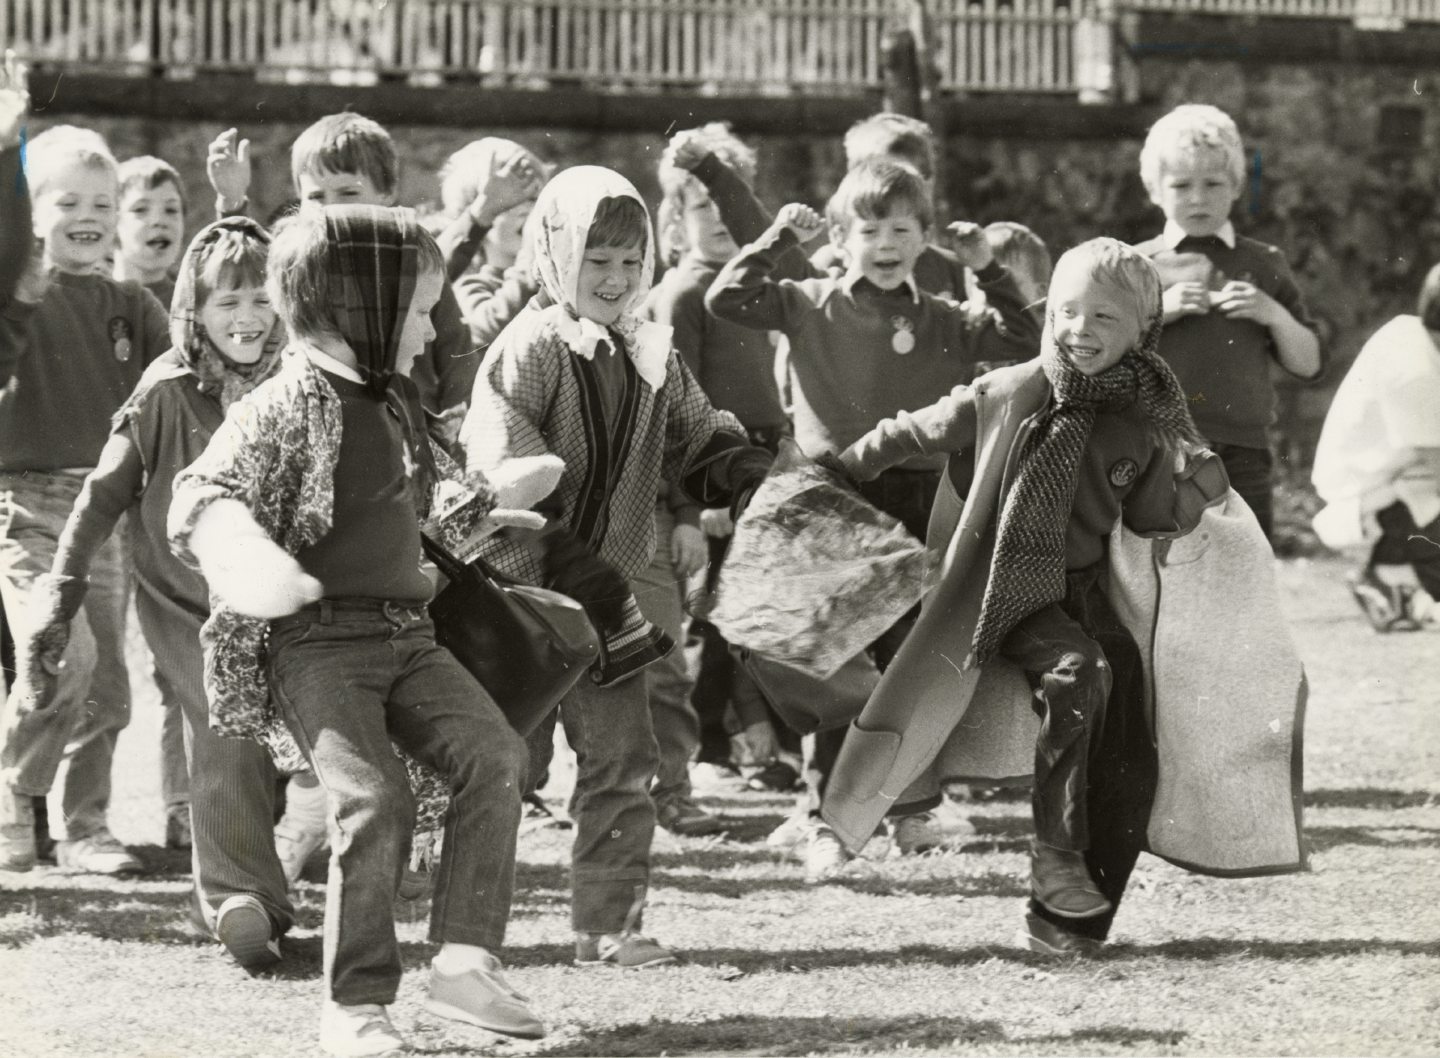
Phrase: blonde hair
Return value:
(61, 146)
(1122, 267)
(677, 183)
(465, 171)
(1191, 131)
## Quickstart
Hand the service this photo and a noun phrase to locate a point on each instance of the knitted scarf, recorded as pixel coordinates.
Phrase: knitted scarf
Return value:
(1028, 568)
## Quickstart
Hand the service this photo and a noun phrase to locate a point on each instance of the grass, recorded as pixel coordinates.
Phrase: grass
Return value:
(898, 957)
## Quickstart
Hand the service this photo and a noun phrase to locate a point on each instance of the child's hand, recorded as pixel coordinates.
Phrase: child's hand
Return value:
(1246, 301)
(971, 246)
(1190, 298)
(686, 150)
(227, 164)
(522, 482)
(14, 99)
(689, 553)
(800, 219)
(509, 182)
(716, 521)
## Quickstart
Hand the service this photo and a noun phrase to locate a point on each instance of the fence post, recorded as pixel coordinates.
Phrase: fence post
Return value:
(1093, 44)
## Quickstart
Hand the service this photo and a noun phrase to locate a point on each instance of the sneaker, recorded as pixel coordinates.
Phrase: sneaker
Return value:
(825, 856)
(794, 829)
(1386, 606)
(1046, 938)
(716, 776)
(628, 950)
(244, 927)
(357, 1030)
(680, 815)
(294, 845)
(17, 830)
(177, 827)
(914, 834)
(1060, 881)
(482, 997)
(776, 777)
(99, 853)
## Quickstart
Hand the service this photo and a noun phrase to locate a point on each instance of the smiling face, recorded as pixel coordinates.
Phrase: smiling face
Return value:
(339, 189)
(238, 320)
(75, 215)
(1196, 191)
(418, 330)
(150, 226)
(703, 232)
(884, 249)
(1095, 323)
(609, 276)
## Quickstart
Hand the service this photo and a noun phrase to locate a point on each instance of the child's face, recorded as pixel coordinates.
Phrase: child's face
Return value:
(417, 330)
(75, 216)
(507, 235)
(1095, 323)
(238, 320)
(883, 250)
(340, 189)
(608, 276)
(704, 233)
(150, 226)
(1196, 192)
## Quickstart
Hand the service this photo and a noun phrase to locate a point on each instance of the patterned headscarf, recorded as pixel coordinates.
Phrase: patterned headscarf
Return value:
(1028, 568)
(560, 226)
(219, 376)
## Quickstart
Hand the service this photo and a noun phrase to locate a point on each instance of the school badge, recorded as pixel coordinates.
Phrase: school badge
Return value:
(121, 337)
(1123, 473)
(903, 340)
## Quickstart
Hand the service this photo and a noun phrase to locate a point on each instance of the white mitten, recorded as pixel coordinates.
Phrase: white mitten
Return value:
(247, 571)
(524, 481)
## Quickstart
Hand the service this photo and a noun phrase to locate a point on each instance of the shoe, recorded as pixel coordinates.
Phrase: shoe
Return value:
(535, 814)
(99, 853)
(1386, 606)
(245, 929)
(482, 997)
(177, 827)
(914, 834)
(17, 831)
(627, 950)
(793, 830)
(294, 845)
(357, 1030)
(680, 815)
(1046, 938)
(1060, 881)
(716, 776)
(777, 777)
(825, 856)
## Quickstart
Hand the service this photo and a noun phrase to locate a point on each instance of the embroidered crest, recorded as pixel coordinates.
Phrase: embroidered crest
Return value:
(121, 337)
(1123, 473)
(903, 340)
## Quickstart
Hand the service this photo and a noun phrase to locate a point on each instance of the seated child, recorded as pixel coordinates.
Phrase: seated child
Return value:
(305, 510)
(1103, 435)
(150, 225)
(1377, 465)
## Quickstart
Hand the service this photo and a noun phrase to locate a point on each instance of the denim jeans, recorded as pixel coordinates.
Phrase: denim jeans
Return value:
(616, 758)
(348, 681)
(91, 702)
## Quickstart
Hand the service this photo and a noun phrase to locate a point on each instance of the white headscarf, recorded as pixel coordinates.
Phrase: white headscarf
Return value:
(561, 224)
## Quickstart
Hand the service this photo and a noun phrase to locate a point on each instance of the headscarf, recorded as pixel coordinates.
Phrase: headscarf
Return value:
(1027, 572)
(561, 224)
(219, 376)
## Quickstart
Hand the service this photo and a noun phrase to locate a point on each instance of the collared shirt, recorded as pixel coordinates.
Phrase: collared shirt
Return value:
(855, 279)
(1174, 235)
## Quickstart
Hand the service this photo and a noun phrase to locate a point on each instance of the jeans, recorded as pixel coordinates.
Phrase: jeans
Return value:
(348, 682)
(91, 701)
(616, 758)
(1250, 471)
(1095, 761)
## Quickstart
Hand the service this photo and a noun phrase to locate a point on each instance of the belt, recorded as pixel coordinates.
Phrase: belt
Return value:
(329, 611)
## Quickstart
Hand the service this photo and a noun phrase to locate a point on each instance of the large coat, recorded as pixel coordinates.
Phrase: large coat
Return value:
(1227, 687)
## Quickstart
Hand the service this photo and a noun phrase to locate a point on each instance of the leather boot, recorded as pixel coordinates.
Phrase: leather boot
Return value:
(1060, 882)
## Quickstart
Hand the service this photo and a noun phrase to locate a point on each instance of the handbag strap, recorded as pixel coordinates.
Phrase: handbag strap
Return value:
(452, 567)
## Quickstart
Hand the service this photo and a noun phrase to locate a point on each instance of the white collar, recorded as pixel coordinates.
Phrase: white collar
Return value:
(854, 275)
(1173, 233)
(647, 343)
(326, 362)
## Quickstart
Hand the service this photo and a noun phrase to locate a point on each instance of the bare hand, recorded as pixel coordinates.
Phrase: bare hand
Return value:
(1190, 298)
(686, 150)
(716, 521)
(688, 551)
(14, 98)
(510, 181)
(227, 164)
(38, 666)
(800, 219)
(971, 246)
(1245, 301)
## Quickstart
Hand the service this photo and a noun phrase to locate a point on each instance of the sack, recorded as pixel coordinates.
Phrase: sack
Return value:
(527, 646)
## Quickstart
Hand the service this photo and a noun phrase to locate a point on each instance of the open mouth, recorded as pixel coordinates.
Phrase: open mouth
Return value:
(84, 237)
(1083, 352)
(160, 243)
(245, 337)
(609, 298)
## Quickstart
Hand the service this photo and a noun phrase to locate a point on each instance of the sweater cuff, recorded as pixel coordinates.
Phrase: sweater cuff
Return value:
(991, 273)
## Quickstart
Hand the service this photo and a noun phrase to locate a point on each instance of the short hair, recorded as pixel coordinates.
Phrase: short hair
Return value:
(1188, 131)
(720, 141)
(619, 221)
(1122, 266)
(146, 173)
(233, 258)
(60, 146)
(298, 277)
(1428, 308)
(1024, 253)
(465, 171)
(892, 135)
(877, 187)
(347, 143)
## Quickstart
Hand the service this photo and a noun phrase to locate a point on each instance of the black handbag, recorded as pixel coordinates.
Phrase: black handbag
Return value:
(527, 646)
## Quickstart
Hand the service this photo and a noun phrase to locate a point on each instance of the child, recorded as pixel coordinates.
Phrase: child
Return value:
(1102, 434)
(864, 346)
(1027, 258)
(584, 378)
(151, 225)
(73, 344)
(303, 509)
(225, 344)
(1231, 304)
(1377, 465)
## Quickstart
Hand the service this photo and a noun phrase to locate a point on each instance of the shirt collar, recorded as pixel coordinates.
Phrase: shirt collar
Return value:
(1173, 234)
(647, 343)
(325, 362)
(854, 275)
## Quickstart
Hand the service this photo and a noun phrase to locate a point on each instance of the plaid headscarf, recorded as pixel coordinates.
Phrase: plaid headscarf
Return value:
(1028, 568)
(220, 377)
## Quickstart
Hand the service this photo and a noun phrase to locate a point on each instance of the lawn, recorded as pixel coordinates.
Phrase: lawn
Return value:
(906, 956)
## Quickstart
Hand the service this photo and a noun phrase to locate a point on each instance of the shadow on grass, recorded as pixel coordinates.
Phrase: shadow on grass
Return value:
(1370, 797)
(1321, 839)
(740, 1035)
